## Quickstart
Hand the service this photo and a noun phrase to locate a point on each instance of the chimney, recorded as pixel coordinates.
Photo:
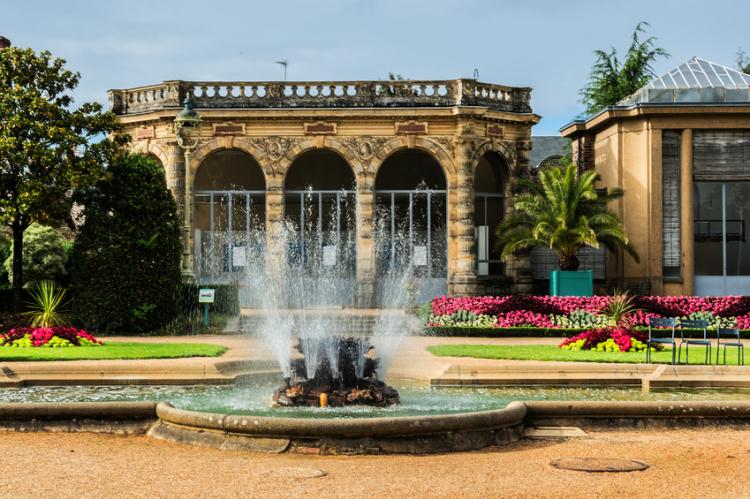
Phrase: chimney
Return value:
(4, 42)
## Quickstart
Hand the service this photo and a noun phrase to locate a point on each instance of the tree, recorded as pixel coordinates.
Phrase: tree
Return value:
(563, 211)
(4, 254)
(610, 81)
(126, 255)
(44, 255)
(743, 61)
(47, 148)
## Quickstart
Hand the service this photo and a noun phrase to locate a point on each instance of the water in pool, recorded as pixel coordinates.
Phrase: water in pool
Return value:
(254, 398)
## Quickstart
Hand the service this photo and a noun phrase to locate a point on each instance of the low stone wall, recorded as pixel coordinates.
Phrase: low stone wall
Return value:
(636, 414)
(98, 417)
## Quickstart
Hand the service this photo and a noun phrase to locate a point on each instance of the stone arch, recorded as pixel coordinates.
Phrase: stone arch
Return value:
(505, 150)
(226, 143)
(148, 147)
(422, 143)
(233, 163)
(334, 144)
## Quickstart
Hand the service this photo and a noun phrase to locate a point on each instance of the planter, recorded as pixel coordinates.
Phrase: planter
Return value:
(571, 283)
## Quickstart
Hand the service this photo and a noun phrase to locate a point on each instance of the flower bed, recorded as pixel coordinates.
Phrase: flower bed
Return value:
(548, 313)
(51, 337)
(607, 340)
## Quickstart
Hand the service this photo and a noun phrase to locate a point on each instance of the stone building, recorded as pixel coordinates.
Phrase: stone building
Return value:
(680, 147)
(349, 165)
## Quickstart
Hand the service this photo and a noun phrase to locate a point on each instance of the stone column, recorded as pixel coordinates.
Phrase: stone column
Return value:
(519, 267)
(461, 267)
(275, 250)
(175, 175)
(365, 244)
(686, 212)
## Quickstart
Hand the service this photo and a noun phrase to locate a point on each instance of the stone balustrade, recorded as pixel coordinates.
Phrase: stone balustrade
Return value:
(321, 94)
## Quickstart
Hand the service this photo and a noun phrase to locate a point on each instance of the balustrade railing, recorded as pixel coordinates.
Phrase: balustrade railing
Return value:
(321, 94)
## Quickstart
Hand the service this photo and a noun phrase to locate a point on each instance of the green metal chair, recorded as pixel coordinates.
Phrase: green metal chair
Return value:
(733, 334)
(658, 323)
(705, 340)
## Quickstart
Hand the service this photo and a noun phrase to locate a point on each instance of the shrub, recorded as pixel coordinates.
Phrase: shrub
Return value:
(126, 256)
(44, 255)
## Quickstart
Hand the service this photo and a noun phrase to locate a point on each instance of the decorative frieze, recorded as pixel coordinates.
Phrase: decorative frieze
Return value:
(145, 132)
(229, 129)
(320, 128)
(411, 128)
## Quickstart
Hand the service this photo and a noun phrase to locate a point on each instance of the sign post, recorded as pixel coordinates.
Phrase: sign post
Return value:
(205, 296)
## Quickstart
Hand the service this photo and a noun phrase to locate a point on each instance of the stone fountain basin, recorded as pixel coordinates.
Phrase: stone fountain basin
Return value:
(380, 435)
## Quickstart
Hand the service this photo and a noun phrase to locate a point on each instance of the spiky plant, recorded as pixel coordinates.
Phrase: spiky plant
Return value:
(562, 210)
(47, 306)
(620, 309)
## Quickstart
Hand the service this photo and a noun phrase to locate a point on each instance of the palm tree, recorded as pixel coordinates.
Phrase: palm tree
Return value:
(563, 211)
(611, 81)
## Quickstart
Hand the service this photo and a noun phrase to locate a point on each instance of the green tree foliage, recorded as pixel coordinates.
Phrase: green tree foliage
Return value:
(48, 149)
(743, 61)
(126, 256)
(44, 255)
(611, 81)
(563, 211)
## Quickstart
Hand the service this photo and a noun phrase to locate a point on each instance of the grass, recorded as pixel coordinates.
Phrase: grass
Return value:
(553, 353)
(114, 350)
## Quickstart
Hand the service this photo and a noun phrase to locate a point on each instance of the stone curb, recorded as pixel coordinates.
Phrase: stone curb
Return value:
(78, 410)
(513, 414)
(639, 409)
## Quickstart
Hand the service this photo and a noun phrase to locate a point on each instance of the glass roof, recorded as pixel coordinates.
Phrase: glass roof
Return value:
(694, 81)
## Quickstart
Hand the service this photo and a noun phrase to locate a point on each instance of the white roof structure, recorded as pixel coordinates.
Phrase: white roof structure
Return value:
(696, 81)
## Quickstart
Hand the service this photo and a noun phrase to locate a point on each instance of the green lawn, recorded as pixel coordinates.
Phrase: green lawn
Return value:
(113, 350)
(553, 353)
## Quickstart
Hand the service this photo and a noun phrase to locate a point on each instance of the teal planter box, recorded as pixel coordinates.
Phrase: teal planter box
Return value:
(571, 283)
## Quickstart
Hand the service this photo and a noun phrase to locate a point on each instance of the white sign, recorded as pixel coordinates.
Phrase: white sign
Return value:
(420, 256)
(329, 256)
(239, 256)
(205, 295)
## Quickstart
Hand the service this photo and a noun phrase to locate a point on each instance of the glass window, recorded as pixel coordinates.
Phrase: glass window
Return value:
(738, 210)
(707, 228)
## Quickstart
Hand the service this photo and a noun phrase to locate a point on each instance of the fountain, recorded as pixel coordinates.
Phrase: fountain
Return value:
(346, 374)
(300, 284)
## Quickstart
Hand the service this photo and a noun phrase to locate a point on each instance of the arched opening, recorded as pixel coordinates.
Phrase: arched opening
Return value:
(411, 225)
(320, 212)
(229, 216)
(490, 180)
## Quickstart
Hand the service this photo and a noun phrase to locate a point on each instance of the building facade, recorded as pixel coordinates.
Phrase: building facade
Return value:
(680, 147)
(374, 173)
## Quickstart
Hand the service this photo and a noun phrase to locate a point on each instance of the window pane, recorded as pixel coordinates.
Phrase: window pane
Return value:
(707, 213)
(738, 211)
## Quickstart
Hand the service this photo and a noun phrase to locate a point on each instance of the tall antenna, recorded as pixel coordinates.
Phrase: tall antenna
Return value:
(285, 63)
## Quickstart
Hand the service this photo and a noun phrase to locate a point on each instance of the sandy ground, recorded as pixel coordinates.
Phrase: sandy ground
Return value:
(684, 463)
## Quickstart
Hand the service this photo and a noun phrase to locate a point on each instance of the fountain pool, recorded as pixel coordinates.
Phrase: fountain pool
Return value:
(416, 399)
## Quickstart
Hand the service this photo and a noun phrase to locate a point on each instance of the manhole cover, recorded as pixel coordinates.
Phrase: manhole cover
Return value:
(598, 464)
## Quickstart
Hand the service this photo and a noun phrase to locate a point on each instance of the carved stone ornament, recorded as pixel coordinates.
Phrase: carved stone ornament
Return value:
(445, 142)
(274, 148)
(365, 147)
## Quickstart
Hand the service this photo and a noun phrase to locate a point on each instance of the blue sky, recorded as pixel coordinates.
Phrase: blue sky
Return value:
(543, 44)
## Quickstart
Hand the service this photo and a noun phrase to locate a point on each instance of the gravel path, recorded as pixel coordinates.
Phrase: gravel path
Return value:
(684, 463)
